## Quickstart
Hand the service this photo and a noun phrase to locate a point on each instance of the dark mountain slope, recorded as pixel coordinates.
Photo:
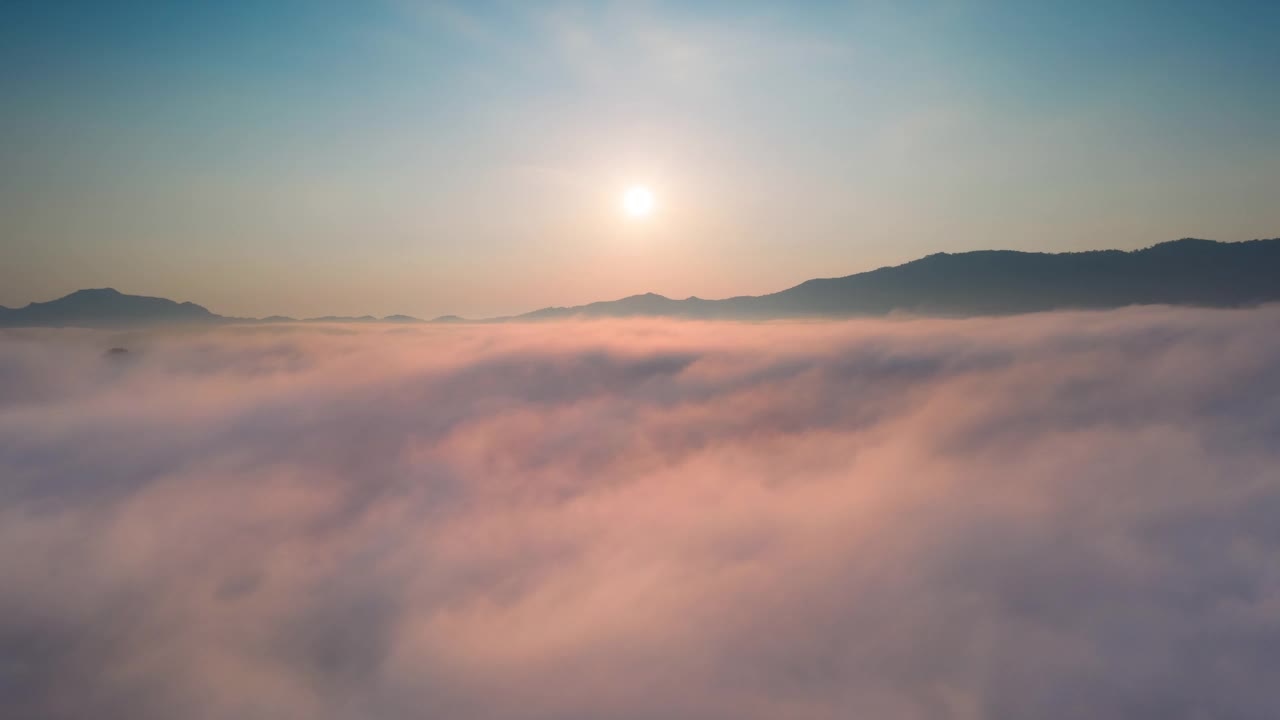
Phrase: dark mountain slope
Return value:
(105, 307)
(995, 282)
(985, 282)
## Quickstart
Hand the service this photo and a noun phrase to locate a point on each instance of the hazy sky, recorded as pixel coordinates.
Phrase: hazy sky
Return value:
(307, 157)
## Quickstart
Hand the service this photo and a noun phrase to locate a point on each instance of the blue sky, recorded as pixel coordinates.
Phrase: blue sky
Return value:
(434, 157)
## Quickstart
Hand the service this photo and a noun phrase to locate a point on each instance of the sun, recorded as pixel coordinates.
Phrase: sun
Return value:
(637, 201)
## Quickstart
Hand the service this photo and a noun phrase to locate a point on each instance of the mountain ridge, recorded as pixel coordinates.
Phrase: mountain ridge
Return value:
(1189, 271)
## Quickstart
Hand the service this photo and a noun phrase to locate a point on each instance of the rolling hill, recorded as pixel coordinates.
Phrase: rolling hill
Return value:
(985, 282)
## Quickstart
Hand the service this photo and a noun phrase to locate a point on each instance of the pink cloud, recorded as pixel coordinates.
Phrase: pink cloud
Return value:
(1058, 515)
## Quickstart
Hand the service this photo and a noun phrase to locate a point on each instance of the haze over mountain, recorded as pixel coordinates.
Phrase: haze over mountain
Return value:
(1000, 282)
(110, 308)
(986, 282)
(105, 307)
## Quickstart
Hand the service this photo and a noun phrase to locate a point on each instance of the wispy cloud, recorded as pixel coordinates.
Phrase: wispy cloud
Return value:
(624, 44)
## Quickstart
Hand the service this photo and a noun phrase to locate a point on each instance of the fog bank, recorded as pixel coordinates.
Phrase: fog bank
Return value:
(1050, 516)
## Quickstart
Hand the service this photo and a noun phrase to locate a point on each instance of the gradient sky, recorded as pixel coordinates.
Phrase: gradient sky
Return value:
(307, 157)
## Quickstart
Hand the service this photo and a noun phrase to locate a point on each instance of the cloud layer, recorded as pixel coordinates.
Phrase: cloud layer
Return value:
(1050, 516)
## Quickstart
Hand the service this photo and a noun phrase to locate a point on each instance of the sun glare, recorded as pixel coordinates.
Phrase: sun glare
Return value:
(637, 201)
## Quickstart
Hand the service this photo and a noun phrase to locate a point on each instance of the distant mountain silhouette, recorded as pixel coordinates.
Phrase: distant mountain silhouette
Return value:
(341, 318)
(105, 307)
(110, 308)
(985, 282)
(998, 282)
(363, 319)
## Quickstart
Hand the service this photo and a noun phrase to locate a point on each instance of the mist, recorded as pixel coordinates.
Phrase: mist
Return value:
(1059, 515)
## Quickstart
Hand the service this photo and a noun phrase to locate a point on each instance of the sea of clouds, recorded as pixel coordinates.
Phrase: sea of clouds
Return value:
(1053, 516)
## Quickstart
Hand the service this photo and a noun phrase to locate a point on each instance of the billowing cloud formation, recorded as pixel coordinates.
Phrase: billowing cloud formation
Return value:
(1051, 516)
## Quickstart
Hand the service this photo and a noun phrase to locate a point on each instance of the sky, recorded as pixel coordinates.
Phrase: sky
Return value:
(310, 157)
